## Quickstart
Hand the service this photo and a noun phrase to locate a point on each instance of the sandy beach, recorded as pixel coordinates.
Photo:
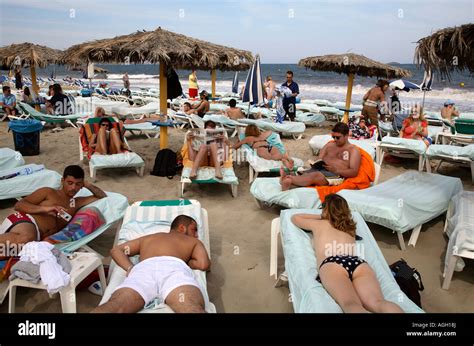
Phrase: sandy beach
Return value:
(240, 232)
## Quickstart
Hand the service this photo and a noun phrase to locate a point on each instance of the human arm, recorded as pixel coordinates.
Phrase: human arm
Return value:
(30, 204)
(246, 140)
(121, 253)
(305, 221)
(199, 258)
(354, 165)
(366, 96)
(97, 193)
(296, 92)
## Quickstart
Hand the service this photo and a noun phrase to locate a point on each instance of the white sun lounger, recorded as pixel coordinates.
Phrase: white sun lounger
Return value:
(450, 153)
(146, 128)
(307, 294)
(10, 158)
(310, 119)
(459, 227)
(401, 147)
(24, 185)
(293, 128)
(148, 217)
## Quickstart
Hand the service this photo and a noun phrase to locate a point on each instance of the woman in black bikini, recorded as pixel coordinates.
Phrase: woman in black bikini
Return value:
(258, 141)
(346, 277)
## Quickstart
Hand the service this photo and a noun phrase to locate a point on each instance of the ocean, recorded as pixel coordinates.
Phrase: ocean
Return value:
(312, 84)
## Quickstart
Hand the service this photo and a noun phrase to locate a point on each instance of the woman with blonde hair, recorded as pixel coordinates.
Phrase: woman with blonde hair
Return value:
(348, 279)
(415, 126)
(259, 141)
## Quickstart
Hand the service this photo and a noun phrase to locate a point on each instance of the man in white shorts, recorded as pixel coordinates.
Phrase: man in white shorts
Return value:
(164, 270)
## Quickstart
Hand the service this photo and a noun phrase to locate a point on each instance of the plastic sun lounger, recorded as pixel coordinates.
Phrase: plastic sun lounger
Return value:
(148, 217)
(310, 119)
(450, 153)
(459, 227)
(401, 147)
(122, 160)
(267, 192)
(206, 175)
(258, 164)
(405, 202)
(308, 295)
(293, 128)
(52, 119)
(10, 158)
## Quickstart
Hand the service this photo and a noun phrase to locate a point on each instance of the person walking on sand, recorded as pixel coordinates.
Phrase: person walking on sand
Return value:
(374, 99)
(126, 81)
(289, 103)
(193, 85)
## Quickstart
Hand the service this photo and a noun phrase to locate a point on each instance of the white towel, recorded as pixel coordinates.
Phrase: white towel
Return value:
(52, 274)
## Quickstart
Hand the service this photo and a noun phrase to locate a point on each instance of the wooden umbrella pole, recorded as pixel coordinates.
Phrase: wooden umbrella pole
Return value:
(35, 84)
(350, 82)
(163, 104)
(213, 78)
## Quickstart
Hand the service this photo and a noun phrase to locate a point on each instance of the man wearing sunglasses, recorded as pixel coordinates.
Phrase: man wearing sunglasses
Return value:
(337, 161)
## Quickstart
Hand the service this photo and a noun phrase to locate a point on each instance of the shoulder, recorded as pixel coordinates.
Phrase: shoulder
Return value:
(406, 122)
(424, 123)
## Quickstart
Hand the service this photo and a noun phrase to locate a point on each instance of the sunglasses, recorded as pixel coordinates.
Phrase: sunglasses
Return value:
(323, 205)
(105, 125)
(336, 137)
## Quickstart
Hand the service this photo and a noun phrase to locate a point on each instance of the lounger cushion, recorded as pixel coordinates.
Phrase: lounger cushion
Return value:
(319, 141)
(308, 295)
(451, 150)
(208, 175)
(146, 126)
(10, 159)
(25, 185)
(417, 146)
(406, 201)
(291, 127)
(262, 165)
(127, 159)
(310, 118)
(269, 190)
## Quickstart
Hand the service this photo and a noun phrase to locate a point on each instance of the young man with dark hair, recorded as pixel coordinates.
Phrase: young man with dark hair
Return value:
(289, 103)
(233, 112)
(8, 101)
(46, 211)
(164, 270)
(338, 160)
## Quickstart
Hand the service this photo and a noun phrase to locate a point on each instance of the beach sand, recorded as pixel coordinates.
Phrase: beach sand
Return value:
(240, 232)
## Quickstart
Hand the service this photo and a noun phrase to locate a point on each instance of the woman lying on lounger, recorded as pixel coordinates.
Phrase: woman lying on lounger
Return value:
(107, 140)
(203, 152)
(415, 126)
(259, 141)
(347, 278)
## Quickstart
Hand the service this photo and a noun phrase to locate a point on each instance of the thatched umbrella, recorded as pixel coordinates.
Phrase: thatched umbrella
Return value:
(352, 64)
(164, 48)
(28, 54)
(447, 50)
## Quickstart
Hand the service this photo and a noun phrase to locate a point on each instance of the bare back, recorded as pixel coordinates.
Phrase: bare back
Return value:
(375, 94)
(234, 113)
(168, 244)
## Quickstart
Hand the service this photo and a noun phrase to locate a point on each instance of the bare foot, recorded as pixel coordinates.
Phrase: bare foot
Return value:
(285, 183)
(193, 175)
(289, 163)
(219, 175)
(282, 173)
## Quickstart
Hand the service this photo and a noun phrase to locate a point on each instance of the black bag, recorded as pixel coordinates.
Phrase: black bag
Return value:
(165, 164)
(408, 279)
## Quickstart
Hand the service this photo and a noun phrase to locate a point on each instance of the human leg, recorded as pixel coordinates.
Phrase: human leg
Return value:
(123, 300)
(101, 147)
(197, 160)
(215, 160)
(186, 299)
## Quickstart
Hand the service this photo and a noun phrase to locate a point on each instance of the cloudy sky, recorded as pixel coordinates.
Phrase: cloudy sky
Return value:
(281, 31)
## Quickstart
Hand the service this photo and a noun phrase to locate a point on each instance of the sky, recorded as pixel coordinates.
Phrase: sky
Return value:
(281, 31)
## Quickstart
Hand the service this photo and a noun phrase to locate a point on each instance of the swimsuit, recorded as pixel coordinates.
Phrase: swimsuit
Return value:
(349, 263)
(268, 146)
(17, 218)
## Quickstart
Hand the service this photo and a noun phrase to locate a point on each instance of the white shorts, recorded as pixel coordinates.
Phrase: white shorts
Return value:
(158, 276)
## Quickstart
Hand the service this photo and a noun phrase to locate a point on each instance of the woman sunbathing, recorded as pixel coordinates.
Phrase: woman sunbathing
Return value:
(259, 142)
(415, 126)
(107, 140)
(198, 155)
(347, 278)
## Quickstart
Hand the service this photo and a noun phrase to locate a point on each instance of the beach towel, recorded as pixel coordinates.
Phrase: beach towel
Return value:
(361, 181)
(86, 221)
(92, 127)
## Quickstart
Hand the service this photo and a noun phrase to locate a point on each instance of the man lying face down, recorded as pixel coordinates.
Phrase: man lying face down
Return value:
(164, 270)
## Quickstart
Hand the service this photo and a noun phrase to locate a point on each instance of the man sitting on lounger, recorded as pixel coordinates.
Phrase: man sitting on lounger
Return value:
(46, 211)
(164, 270)
(337, 160)
(233, 112)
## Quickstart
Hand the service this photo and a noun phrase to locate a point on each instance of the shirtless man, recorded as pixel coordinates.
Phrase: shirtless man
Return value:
(341, 159)
(164, 270)
(372, 99)
(449, 111)
(203, 107)
(269, 88)
(233, 112)
(41, 214)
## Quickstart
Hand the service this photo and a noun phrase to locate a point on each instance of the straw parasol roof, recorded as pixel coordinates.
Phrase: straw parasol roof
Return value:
(353, 64)
(29, 54)
(447, 50)
(179, 51)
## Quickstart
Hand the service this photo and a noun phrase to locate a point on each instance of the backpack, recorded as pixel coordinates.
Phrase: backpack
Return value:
(408, 279)
(165, 164)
